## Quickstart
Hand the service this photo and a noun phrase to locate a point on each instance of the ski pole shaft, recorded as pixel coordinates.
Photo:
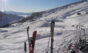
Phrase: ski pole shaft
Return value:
(28, 37)
(52, 34)
(25, 50)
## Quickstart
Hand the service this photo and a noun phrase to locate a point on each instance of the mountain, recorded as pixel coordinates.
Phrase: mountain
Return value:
(6, 19)
(34, 16)
(65, 7)
(18, 13)
(57, 12)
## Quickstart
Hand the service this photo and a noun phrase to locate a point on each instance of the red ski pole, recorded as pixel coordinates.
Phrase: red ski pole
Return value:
(32, 44)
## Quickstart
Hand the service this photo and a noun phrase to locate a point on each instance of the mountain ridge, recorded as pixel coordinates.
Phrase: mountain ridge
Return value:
(7, 19)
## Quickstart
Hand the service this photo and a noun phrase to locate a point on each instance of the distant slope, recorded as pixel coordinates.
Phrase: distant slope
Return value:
(6, 19)
(34, 16)
(18, 13)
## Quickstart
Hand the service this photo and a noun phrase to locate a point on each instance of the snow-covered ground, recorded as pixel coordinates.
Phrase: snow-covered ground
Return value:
(12, 38)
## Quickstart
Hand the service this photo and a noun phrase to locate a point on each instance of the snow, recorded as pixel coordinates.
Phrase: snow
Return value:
(12, 38)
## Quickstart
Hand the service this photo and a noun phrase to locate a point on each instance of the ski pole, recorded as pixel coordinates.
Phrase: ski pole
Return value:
(52, 34)
(25, 50)
(28, 37)
(33, 42)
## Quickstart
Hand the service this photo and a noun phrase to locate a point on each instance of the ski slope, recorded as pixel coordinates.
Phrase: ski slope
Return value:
(12, 38)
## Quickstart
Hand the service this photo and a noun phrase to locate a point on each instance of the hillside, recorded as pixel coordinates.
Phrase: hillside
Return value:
(7, 19)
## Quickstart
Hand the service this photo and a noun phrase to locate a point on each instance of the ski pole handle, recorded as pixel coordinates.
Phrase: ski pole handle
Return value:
(27, 28)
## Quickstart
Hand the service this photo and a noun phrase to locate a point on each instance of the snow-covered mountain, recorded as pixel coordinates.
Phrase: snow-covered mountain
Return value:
(68, 10)
(66, 18)
(7, 19)
(18, 13)
(34, 16)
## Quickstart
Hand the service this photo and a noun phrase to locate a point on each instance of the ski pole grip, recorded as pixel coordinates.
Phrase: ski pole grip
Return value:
(53, 21)
(28, 28)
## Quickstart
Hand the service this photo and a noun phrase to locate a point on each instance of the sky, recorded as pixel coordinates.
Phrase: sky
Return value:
(32, 5)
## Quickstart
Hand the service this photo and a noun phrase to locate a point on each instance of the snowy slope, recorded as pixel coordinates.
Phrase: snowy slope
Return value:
(12, 38)
(69, 10)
